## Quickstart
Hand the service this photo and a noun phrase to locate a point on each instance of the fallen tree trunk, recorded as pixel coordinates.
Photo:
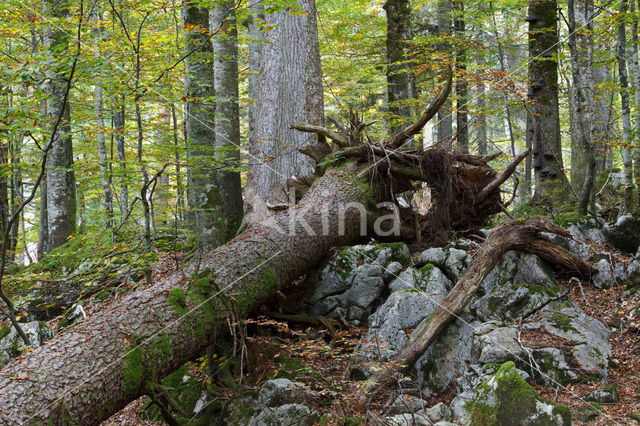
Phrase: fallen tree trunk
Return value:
(518, 235)
(94, 369)
(98, 367)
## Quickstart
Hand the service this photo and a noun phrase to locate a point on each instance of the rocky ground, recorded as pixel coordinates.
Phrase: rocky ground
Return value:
(533, 347)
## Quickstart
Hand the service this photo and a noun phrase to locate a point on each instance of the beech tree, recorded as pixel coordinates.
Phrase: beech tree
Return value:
(544, 119)
(206, 199)
(290, 91)
(58, 219)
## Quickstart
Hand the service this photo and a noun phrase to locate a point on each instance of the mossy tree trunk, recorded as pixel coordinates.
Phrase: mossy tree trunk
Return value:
(98, 367)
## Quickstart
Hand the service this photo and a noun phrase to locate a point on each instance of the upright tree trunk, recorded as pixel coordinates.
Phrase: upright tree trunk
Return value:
(253, 24)
(200, 128)
(290, 92)
(481, 107)
(399, 87)
(597, 110)
(636, 96)
(445, 114)
(627, 138)
(117, 115)
(582, 134)
(61, 186)
(105, 171)
(543, 91)
(227, 119)
(462, 90)
(43, 229)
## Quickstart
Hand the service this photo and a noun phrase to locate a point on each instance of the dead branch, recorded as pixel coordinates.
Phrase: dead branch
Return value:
(512, 235)
(340, 140)
(399, 138)
(503, 176)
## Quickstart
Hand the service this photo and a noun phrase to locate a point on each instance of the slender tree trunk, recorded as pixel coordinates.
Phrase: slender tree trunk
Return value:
(61, 186)
(43, 228)
(481, 107)
(290, 92)
(117, 115)
(544, 112)
(627, 138)
(635, 65)
(200, 128)
(582, 133)
(99, 113)
(399, 88)
(462, 90)
(445, 114)
(227, 120)
(176, 142)
(255, 53)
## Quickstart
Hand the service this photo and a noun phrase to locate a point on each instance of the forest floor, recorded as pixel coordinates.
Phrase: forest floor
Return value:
(324, 363)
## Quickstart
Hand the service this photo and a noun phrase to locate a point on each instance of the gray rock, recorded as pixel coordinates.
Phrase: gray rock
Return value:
(392, 271)
(438, 412)
(555, 370)
(407, 404)
(591, 347)
(365, 288)
(281, 391)
(533, 271)
(433, 278)
(607, 395)
(12, 345)
(355, 278)
(633, 274)
(403, 309)
(456, 263)
(288, 414)
(620, 273)
(604, 278)
(624, 234)
(447, 356)
(435, 255)
(407, 280)
(410, 419)
(508, 399)
(497, 346)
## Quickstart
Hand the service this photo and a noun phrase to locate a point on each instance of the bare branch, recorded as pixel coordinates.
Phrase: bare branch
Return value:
(339, 139)
(503, 176)
(399, 138)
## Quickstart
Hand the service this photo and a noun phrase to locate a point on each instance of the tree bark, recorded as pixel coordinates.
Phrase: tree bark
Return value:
(94, 369)
(543, 92)
(227, 119)
(99, 113)
(117, 116)
(462, 90)
(582, 134)
(290, 92)
(61, 185)
(399, 87)
(627, 138)
(206, 198)
(445, 114)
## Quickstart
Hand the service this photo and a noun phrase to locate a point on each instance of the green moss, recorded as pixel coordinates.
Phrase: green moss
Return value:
(548, 366)
(635, 417)
(563, 322)
(178, 300)
(426, 268)
(570, 218)
(515, 401)
(4, 331)
(133, 370)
